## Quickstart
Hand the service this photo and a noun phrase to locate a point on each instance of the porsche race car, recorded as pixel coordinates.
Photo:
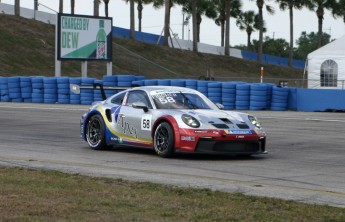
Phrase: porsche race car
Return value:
(170, 119)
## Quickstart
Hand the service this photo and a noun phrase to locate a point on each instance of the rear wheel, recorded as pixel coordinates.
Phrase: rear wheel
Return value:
(95, 133)
(164, 140)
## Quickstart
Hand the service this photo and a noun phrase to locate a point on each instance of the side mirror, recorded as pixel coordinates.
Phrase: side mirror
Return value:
(220, 106)
(140, 105)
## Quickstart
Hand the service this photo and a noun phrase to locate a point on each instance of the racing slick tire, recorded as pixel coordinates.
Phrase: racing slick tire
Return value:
(163, 140)
(95, 133)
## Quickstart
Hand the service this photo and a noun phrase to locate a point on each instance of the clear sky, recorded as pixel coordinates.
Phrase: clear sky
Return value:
(153, 20)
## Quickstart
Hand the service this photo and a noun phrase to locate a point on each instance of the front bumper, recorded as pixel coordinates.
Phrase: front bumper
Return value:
(231, 147)
(218, 141)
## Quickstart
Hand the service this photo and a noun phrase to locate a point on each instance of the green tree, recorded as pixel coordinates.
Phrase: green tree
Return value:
(339, 10)
(320, 6)
(260, 4)
(248, 21)
(308, 43)
(203, 7)
(290, 5)
(235, 11)
(276, 47)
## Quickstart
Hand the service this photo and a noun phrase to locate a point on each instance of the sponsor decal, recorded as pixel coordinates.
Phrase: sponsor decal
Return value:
(200, 131)
(238, 131)
(188, 138)
(126, 127)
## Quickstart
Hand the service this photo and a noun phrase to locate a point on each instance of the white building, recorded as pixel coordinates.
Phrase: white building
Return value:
(326, 66)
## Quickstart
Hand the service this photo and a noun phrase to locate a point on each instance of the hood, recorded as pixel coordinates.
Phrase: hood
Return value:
(220, 119)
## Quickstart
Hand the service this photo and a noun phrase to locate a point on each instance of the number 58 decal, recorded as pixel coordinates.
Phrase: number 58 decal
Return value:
(146, 122)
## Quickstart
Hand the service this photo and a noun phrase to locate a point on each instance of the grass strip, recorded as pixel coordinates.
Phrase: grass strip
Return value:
(34, 195)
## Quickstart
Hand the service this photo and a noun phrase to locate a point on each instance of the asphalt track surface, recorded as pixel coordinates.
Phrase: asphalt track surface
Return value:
(306, 160)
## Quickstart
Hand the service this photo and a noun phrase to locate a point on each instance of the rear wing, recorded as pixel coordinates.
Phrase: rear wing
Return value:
(76, 88)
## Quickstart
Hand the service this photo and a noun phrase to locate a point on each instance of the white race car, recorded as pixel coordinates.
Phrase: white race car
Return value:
(170, 119)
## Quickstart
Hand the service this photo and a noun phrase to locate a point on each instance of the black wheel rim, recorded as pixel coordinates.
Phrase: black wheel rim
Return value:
(94, 134)
(162, 139)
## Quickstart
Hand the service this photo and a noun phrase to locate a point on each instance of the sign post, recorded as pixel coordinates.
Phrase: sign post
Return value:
(83, 38)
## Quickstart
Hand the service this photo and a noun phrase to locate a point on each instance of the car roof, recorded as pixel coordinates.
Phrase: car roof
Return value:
(166, 89)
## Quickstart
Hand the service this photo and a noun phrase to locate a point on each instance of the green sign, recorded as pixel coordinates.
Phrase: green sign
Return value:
(84, 37)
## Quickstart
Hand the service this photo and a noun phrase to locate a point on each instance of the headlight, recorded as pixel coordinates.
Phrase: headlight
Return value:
(254, 121)
(190, 121)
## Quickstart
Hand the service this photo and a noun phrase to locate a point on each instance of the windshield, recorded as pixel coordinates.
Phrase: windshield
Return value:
(178, 100)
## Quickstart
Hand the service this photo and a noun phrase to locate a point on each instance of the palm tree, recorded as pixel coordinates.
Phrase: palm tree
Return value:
(168, 5)
(320, 6)
(96, 7)
(339, 10)
(235, 11)
(17, 7)
(72, 6)
(195, 31)
(290, 4)
(248, 21)
(270, 10)
(203, 7)
(227, 28)
(140, 8)
(61, 6)
(132, 21)
(106, 8)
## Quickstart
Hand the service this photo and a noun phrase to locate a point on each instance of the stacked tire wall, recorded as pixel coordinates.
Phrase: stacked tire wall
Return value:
(233, 95)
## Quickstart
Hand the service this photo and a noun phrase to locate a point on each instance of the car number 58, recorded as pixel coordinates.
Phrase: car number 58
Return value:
(146, 122)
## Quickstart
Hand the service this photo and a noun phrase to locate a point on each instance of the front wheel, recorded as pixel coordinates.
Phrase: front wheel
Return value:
(95, 133)
(164, 140)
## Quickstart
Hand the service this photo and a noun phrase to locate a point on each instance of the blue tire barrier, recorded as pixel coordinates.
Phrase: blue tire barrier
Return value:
(125, 78)
(29, 100)
(38, 91)
(229, 100)
(258, 98)
(63, 96)
(5, 98)
(191, 84)
(74, 101)
(14, 79)
(214, 90)
(50, 96)
(37, 85)
(49, 90)
(176, 82)
(228, 91)
(215, 99)
(63, 101)
(138, 78)
(150, 82)
(74, 96)
(124, 84)
(240, 92)
(63, 91)
(245, 87)
(17, 100)
(214, 94)
(229, 107)
(203, 90)
(280, 97)
(37, 100)
(49, 80)
(163, 82)
(25, 84)
(62, 80)
(138, 83)
(76, 81)
(50, 101)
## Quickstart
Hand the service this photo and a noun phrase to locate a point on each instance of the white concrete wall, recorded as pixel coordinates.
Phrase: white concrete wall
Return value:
(29, 13)
(204, 48)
